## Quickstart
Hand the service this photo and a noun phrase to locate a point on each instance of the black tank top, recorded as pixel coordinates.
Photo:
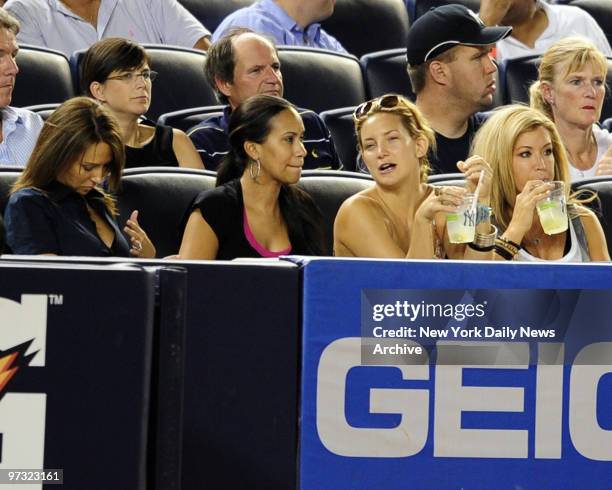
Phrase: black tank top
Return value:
(157, 152)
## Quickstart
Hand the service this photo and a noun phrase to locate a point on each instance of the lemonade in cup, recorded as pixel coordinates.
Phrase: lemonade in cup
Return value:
(461, 225)
(552, 210)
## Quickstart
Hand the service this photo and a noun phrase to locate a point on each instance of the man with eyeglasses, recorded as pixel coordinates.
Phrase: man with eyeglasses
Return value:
(452, 74)
(19, 128)
(72, 25)
(242, 64)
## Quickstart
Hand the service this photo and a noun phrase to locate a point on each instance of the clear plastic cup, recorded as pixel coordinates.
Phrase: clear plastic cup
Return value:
(461, 225)
(552, 210)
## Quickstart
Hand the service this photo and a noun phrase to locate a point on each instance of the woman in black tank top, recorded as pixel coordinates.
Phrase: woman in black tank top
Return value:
(117, 73)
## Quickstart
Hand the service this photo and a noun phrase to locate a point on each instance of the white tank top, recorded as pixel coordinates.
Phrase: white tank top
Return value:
(578, 251)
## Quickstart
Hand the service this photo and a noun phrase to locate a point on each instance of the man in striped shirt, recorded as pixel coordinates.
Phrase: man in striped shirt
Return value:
(20, 128)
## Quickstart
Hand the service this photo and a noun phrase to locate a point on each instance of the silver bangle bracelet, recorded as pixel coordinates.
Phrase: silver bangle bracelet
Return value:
(486, 239)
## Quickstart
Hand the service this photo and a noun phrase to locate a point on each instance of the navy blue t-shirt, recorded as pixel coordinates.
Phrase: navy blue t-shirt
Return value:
(451, 150)
(210, 139)
(55, 220)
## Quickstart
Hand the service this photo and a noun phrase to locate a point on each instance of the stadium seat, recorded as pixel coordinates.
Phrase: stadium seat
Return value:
(44, 77)
(456, 179)
(330, 189)
(519, 73)
(340, 125)
(603, 206)
(607, 124)
(162, 196)
(181, 83)
(320, 80)
(188, 118)
(416, 8)
(600, 10)
(43, 110)
(212, 12)
(8, 176)
(358, 25)
(385, 72)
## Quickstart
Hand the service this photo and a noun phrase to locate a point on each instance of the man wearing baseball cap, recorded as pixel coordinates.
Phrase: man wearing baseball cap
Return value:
(453, 76)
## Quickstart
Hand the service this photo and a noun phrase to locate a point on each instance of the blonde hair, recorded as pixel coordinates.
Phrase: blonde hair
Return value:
(563, 57)
(495, 142)
(411, 119)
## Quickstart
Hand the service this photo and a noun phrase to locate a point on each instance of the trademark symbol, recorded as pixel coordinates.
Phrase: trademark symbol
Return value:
(56, 299)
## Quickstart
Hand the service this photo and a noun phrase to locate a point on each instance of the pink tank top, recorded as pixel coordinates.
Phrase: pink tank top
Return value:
(255, 244)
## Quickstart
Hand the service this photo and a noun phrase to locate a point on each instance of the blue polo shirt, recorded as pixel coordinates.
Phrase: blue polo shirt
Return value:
(56, 221)
(210, 139)
(268, 18)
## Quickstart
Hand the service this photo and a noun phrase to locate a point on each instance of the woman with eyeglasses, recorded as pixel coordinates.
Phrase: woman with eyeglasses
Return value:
(256, 210)
(401, 215)
(58, 205)
(116, 72)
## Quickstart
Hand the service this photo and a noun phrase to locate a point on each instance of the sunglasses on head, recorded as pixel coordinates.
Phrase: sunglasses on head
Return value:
(387, 101)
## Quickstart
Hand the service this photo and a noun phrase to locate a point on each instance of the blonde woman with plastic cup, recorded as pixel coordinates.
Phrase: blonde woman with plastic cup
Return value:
(528, 160)
(402, 216)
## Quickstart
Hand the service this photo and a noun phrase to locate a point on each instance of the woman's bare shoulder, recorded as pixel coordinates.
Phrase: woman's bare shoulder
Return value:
(362, 202)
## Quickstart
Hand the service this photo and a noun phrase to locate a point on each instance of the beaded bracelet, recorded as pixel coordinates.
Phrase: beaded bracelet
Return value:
(503, 253)
(510, 242)
(506, 248)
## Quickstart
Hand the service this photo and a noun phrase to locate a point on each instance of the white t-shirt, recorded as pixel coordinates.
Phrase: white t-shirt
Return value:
(603, 139)
(563, 21)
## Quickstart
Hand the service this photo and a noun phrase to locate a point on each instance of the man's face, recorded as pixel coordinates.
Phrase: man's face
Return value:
(472, 77)
(8, 66)
(256, 70)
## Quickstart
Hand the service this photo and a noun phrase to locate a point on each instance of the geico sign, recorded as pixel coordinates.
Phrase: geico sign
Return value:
(22, 415)
(452, 398)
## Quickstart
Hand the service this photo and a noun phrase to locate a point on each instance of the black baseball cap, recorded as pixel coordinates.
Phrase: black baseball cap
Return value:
(445, 27)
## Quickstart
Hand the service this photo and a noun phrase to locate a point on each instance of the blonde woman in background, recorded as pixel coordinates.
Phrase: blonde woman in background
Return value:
(525, 152)
(571, 90)
(402, 216)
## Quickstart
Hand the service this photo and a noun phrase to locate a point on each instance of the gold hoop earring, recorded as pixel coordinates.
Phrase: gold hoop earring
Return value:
(254, 175)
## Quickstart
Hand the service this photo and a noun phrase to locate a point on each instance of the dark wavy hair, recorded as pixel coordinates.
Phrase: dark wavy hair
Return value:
(251, 121)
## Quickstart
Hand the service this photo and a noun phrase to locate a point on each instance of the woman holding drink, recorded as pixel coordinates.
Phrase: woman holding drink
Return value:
(536, 217)
(402, 216)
